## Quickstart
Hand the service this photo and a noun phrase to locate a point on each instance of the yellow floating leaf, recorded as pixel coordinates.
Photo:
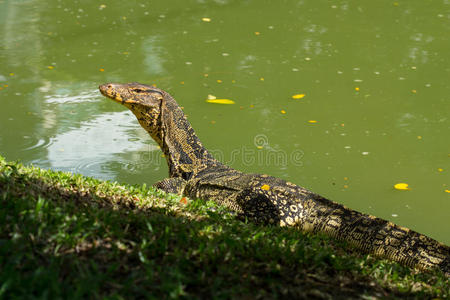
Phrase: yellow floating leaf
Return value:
(220, 101)
(298, 96)
(440, 169)
(312, 121)
(447, 191)
(51, 67)
(219, 81)
(357, 89)
(257, 33)
(265, 187)
(102, 70)
(206, 19)
(401, 187)
(283, 111)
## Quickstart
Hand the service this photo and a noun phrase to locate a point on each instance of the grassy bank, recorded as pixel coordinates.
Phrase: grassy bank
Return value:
(69, 236)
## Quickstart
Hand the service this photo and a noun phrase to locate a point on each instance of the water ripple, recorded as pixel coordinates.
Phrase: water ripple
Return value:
(97, 146)
(88, 96)
(44, 142)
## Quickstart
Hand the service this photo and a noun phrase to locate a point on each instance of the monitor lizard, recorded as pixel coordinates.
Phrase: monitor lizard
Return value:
(195, 173)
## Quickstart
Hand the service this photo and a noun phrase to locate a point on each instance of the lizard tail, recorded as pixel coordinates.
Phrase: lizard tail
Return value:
(375, 235)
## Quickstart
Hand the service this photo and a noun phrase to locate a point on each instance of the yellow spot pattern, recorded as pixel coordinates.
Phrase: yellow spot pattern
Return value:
(265, 187)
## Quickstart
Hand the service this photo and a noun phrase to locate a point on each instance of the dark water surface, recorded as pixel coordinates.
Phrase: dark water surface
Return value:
(375, 75)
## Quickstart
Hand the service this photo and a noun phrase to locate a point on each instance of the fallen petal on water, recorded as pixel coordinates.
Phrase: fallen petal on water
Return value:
(220, 101)
(298, 96)
(402, 187)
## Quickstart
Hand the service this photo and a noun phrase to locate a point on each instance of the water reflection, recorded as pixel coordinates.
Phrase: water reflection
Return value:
(85, 149)
(155, 55)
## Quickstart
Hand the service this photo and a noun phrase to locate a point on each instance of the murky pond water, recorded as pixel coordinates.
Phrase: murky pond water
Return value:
(374, 74)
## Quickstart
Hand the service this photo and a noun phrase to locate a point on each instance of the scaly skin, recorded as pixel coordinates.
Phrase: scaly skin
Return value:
(264, 199)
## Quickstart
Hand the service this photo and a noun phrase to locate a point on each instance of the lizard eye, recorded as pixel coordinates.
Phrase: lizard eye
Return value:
(138, 90)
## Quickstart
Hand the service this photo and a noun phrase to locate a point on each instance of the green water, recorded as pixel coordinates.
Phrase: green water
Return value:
(375, 75)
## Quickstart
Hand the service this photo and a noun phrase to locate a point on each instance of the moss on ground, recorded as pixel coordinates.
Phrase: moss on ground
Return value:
(69, 236)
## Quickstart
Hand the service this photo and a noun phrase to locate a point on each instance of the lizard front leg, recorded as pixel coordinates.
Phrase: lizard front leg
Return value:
(173, 185)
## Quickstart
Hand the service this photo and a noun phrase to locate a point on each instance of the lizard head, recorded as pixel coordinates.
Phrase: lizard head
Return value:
(133, 95)
(144, 101)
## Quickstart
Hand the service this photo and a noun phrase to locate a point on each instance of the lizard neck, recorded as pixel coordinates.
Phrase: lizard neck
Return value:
(183, 150)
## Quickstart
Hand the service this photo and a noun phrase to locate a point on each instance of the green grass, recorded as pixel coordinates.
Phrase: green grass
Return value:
(69, 236)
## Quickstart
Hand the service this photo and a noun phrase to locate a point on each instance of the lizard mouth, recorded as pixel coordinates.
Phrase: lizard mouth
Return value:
(113, 91)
